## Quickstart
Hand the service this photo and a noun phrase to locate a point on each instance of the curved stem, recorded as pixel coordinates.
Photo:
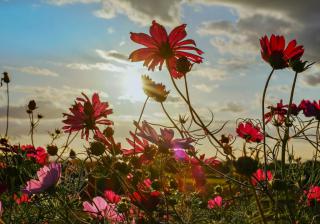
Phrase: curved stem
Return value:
(317, 145)
(258, 203)
(200, 123)
(263, 121)
(7, 124)
(174, 124)
(135, 131)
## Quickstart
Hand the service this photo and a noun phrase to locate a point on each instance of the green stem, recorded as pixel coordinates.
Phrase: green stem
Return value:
(7, 124)
(263, 121)
(174, 124)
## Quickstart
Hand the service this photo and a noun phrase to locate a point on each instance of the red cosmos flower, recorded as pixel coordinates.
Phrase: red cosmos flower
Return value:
(249, 132)
(140, 147)
(162, 47)
(23, 199)
(260, 176)
(86, 115)
(215, 202)
(112, 197)
(313, 195)
(39, 154)
(146, 196)
(310, 109)
(275, 53)
(278, 113)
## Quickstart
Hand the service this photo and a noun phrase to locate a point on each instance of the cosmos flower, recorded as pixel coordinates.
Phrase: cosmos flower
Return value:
(86, 115)
(145, 196)
(1, 209)
(249, 132)
(310, 109)
(165, 139)
(278, 113)
(39, 154)
(260, 176)
(156, 91)
(112, 197)
(215, 202)
(24, 198)
(313, 195)
(100, 208)
(48, 176)
(273, 51)
(161, 47)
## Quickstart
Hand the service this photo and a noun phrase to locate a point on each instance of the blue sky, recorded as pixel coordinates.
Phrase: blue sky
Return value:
(55, 49)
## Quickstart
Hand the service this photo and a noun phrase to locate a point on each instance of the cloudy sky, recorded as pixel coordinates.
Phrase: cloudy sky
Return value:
(56, 49)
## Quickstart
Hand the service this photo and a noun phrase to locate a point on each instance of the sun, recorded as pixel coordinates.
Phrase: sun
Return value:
(132, 88)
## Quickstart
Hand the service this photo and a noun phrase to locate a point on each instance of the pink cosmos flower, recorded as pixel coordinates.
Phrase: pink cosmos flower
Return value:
(215, 202)
(313, 194)
(260, 176)
(112, 197)
(39, 154)
(249, 132)
(166, 138)
(86, 115)
(1, 209)
(48, 176)
(100, 208)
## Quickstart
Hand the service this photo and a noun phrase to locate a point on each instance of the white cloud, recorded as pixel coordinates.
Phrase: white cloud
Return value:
(209, 73)
(143, 12)
(32, 70)
(113, 55)
(96, 66)
(205, 88)
(68, 2)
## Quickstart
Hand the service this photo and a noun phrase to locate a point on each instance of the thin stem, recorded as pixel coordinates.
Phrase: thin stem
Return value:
(317, 145)
(258, 203)
(263, 121)
(135, 131)
(201, 124)
(174, 124)
(7, 124)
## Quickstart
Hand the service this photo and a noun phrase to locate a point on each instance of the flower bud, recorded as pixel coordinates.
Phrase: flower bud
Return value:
(183, 65)
(5, 78)
(97, 148)
(72, 154)
(32, 105)
(108, 132)
(52, 150)
(246, 165)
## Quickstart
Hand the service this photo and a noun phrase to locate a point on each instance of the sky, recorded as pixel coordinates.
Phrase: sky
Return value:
(56, 49)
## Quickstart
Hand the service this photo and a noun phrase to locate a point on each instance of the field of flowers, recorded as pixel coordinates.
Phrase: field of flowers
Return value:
(162, 177)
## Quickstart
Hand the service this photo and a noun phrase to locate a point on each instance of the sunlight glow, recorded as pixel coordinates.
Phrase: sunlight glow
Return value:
(132, 88)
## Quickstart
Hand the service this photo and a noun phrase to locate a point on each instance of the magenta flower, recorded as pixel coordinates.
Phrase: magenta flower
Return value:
(215, 202)
(86, 115)
(39, 154)
(165, 139)
(313, 195)
(260, 176)
(100, 208)
(1, 209)
(112, 197)
(249, 132)
(48, 176)
(310, 109)
(278, 113)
